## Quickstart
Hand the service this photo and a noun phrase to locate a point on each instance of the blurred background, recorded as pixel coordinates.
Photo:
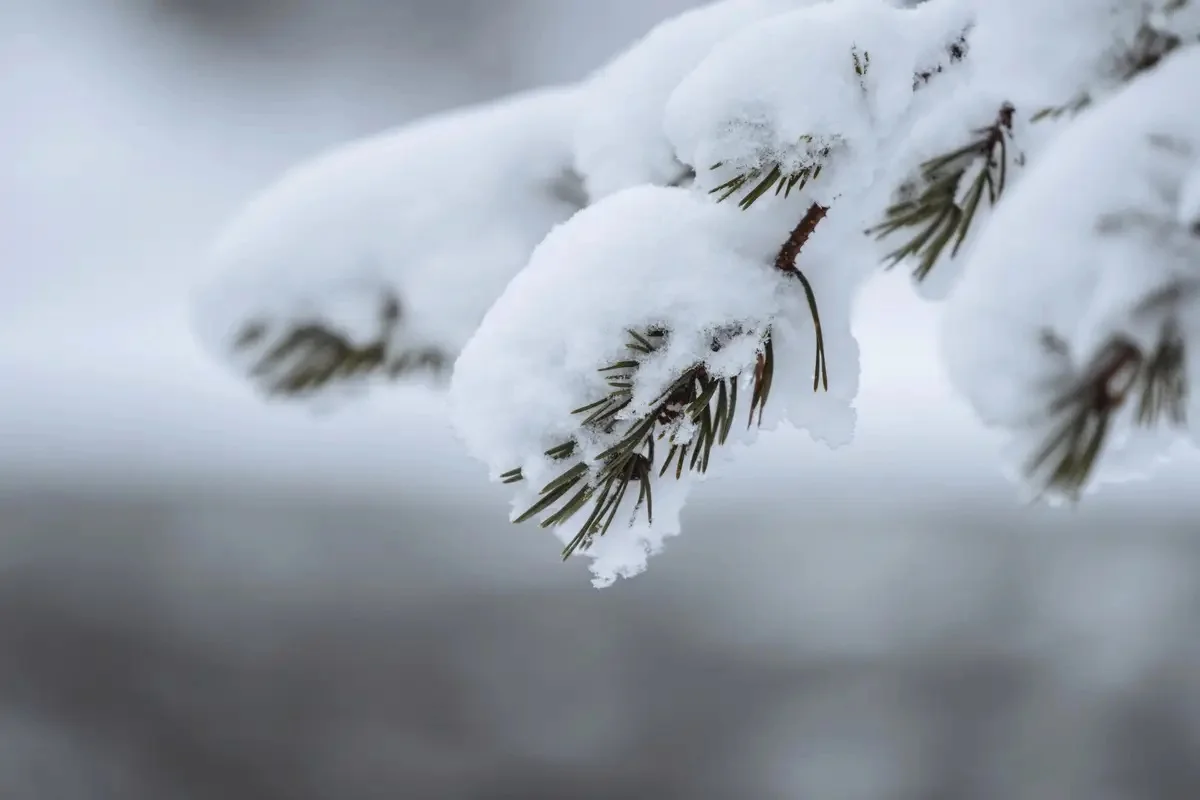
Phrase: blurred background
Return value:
(206, 596)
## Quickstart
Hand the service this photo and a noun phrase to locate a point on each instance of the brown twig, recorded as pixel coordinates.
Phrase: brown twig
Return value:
(785, 262)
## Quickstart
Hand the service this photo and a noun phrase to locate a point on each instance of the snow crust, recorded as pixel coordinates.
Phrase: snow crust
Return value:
(1090, 235)
(438, 214)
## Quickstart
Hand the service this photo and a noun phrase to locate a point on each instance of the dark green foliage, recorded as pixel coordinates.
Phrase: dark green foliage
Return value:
(931, 214)
(766, 177)
(771, 174)
(1082, 415)
(694, 414)
(1066, 109)
(307, 357)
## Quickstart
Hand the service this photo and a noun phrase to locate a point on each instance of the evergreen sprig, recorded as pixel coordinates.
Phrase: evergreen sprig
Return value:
(691, 416)
(772, 175)
(785, 262)
(694, 414)
(309, 356)
(1083, 414)
(1070, 108)
(933, 212)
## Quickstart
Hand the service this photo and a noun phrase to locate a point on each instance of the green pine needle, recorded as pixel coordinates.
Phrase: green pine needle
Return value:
(933, 217)
(308, 357)
(770, 175)
(702, 405)
(1070, 108)
(1083, 414)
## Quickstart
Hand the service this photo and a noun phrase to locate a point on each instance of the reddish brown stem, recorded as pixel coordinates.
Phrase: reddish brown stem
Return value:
(785, 262)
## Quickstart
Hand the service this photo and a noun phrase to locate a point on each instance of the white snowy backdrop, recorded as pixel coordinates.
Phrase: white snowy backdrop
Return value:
(202, 595)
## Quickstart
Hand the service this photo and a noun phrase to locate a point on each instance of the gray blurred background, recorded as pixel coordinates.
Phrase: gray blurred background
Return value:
(205, 596)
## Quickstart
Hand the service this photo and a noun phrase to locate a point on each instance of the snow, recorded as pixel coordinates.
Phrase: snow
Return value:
(1047, 54)
(741, 105)
(1035, 56)
(619, 139)
(1076, 250)
(442, 216)
(1178, 19)
(857, 115)
(1189, 200)
(649, 257)
(158, 416)
(835, 261)
(719, 87)
(437, 215)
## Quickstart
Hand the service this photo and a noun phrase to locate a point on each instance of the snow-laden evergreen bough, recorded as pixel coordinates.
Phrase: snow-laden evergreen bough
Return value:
(378, 260)
(634, 274)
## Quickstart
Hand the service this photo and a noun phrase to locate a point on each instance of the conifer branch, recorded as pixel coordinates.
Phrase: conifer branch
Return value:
(935, 212)
(694, 414)
(773, 175)
(691, 416)
(1082, 415)
(1070, 108)
(784, 179)
(786, 262)
(309, 356)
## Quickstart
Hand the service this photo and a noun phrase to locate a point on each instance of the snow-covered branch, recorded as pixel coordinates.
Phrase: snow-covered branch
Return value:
(378, 260)
(625, 271)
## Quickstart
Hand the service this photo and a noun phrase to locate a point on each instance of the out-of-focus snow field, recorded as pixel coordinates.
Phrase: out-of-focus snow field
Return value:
(176, 555)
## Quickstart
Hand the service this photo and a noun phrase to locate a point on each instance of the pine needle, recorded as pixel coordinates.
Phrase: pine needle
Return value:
(697, 402)
(785, 262)
(772, 175)
(691, 416)
(1070, 108)
(1082, 416)
(307, 357)
(933, 217)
